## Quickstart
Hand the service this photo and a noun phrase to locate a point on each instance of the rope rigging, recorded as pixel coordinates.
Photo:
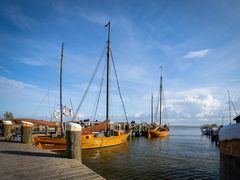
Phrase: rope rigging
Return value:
(165, 115)
(90, 83)
(99, 94)
(95, 109)
(43, 99)
(119, 90)
(157, 107)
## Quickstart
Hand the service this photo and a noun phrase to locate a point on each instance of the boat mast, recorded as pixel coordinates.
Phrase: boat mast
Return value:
(152, 109)
(61, 110)
(229, 106)
(108, 71)
(160, 113)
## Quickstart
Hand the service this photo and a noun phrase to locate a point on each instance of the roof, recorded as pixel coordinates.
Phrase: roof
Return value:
(237, 118)
(36, 121)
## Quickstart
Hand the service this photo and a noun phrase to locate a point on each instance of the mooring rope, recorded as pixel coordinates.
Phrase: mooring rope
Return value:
(119, 90)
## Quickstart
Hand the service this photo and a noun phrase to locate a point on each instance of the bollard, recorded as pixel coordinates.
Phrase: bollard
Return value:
(26, 132)
(148, 132)
(74, 139)
(229, 140)
(46, 130)
(7, 129)
(56, 130)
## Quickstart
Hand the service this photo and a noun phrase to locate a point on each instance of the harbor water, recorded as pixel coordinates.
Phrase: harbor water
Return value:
(185, 154)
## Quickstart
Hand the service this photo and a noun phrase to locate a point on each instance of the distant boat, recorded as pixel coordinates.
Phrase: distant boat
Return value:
(158, 130)
(90, 139)
(205, 130)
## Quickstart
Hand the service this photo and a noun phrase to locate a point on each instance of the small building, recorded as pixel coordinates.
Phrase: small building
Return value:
(237, 119)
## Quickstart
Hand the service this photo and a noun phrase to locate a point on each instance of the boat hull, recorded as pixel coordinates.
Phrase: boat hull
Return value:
(88, 141)
(158, 133)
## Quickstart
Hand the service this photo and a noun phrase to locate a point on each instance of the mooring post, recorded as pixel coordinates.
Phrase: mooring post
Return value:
(148, 132)
(229, 140)
(74, 139)
(56, 130)
(26, 132)
(7, 129)
(46, 130)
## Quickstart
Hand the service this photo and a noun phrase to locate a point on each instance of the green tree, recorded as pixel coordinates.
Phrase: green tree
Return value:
(8, 115)
(214, 125)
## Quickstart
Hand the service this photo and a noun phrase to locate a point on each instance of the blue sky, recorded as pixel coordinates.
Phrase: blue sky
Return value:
(196, 42)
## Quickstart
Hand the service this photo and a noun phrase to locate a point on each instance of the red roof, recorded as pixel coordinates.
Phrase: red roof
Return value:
(36, 121)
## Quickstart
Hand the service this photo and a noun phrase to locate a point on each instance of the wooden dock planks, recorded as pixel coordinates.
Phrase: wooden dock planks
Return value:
(23, 161)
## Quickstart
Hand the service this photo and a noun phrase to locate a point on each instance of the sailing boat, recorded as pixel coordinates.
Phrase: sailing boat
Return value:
(89, 141)
(158, 130)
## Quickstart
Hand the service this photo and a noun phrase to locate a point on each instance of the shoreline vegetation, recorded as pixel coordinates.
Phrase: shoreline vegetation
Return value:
(210, 126)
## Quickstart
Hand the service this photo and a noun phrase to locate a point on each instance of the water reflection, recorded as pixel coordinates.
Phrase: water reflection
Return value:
(183, 154)
(103, 152)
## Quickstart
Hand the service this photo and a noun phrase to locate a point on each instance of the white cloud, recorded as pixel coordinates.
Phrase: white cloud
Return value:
(98, 18)
(3, 69)
(194, 92)
(14, 14)
(9, 83)
(233, 80)
(193, 103)
(197, 54)
(208, 102)
(34, 62)
(138, 114)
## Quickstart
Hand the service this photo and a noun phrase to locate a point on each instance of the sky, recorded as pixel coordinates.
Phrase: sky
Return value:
(196, 43)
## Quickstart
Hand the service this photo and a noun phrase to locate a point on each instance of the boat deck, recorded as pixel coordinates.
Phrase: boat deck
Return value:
(23, 161)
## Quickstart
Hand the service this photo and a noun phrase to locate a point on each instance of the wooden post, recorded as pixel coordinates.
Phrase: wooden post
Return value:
(46, 130)
(26, 132)
(56, 130)
(229, 140)
(124, 126)
(7, 129)
(74, 139)
(148, 132)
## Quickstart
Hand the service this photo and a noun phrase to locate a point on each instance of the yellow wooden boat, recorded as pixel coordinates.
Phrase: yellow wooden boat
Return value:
(88, 141)
(92, 140)
(158, 132)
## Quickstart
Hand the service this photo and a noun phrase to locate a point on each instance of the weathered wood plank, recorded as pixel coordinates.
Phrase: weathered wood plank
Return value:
(23, 161)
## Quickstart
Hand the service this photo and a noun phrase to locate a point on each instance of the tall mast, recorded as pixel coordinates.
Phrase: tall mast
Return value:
(61, 110)
(229, 106)
(160, 113)
(108, 71)
(152, 109)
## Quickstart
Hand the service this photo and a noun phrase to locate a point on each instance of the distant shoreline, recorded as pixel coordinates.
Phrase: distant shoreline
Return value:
(185, 126)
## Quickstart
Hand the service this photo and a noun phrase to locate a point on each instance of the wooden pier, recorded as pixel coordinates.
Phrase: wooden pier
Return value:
(24, 161)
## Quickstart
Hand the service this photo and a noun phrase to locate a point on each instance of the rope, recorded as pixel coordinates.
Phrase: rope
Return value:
(49, 108)
(115, 72)
(164, 108)
(43, 99)
(234, 108)
(127, 95)
(99, 95)
(157, 108)
(90, 83)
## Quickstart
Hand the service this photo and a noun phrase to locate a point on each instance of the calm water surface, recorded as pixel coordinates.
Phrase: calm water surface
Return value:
(185, 154)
